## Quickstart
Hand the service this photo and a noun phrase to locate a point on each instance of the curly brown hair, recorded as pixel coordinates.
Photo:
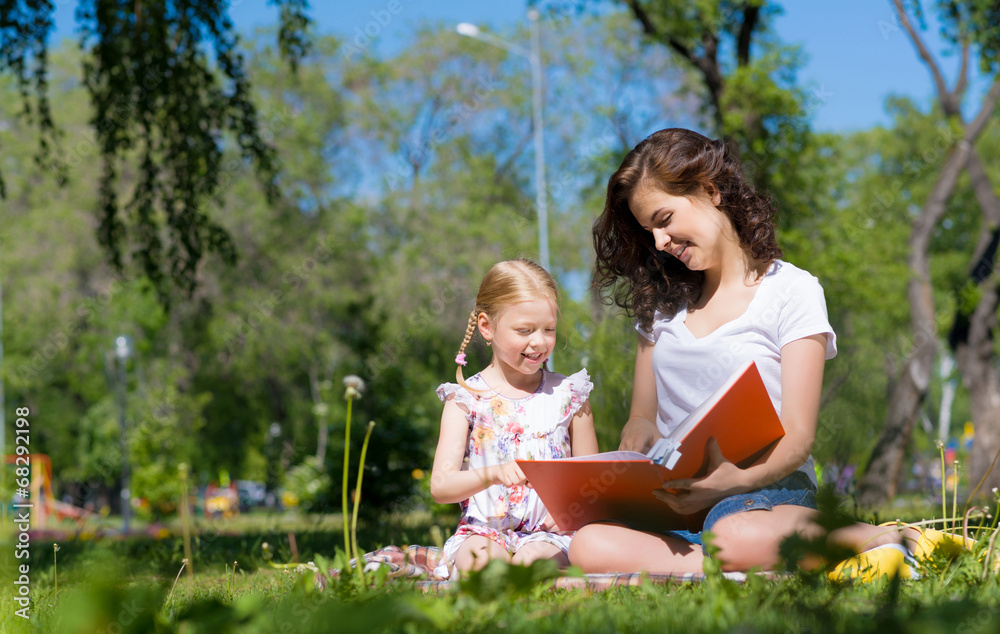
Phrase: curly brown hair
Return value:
(630, 272)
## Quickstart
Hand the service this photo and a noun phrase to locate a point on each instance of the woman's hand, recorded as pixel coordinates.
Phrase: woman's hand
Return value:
(687, 496)
(508, 474)
(639, 435)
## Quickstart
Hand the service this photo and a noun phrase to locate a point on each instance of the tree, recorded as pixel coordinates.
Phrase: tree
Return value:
(167, 83)
(746, 81)
(972, 336)
(885, 464)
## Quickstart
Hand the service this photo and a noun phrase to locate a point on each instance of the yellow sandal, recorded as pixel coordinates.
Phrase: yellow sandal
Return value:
(891, 560)
(932, 540)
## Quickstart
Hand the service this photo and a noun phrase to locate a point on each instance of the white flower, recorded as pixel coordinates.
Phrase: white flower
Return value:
(355, 386)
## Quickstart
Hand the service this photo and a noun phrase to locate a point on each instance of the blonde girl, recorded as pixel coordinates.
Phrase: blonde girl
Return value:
(514, 408)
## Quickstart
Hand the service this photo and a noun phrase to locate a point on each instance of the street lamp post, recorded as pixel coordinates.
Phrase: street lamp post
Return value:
(271, 485)
(3, 423)
(541, 200)
(123, 350)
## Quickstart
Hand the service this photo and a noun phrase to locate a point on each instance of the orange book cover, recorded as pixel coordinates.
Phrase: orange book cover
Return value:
(618, 485)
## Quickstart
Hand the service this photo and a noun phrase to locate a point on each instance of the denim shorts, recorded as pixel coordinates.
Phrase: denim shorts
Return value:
(796, 489)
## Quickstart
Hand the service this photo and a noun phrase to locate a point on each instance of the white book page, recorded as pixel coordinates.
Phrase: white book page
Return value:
(694, 417)
(609, 456)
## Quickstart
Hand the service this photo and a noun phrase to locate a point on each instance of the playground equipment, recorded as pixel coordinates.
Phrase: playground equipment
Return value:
(45, 507)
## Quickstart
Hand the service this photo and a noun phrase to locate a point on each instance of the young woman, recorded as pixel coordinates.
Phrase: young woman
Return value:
(687, 247)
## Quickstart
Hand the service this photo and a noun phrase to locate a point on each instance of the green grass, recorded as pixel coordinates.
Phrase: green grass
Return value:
(128, 586)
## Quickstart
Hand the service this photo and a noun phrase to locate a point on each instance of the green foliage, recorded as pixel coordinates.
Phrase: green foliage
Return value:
(499, 579)
(607, 349)
(161, 107)
(403, 179)
(307, 482)
(977, 20)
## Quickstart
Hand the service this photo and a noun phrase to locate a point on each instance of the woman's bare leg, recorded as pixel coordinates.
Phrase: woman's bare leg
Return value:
(753, 539)
(615, 548)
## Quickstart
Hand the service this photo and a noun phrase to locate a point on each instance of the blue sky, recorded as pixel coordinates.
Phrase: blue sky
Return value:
(857, 54)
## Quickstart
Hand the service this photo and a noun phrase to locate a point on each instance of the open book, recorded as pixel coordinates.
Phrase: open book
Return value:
(618, 485)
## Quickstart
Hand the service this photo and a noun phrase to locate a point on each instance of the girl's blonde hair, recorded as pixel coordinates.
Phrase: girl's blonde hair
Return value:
(506, 283)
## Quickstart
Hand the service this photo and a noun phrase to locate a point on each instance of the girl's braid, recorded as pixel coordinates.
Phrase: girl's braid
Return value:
(471, 330)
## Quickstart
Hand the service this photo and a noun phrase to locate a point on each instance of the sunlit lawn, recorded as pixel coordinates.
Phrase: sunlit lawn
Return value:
(133, 586)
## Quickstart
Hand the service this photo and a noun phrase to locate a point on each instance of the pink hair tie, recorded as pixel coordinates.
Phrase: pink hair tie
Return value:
(460, 359)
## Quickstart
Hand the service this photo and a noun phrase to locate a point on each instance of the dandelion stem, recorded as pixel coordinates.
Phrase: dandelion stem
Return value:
(357, 500)
(944, 476)
(183, 564)
(954, 498)
(232, 585)
(55, 569)
(347, 453)
(182, 469)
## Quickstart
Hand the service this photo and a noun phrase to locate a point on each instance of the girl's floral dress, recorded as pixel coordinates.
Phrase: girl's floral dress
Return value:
(503, 429)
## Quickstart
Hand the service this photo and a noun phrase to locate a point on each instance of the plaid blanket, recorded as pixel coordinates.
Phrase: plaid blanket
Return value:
(418, 563)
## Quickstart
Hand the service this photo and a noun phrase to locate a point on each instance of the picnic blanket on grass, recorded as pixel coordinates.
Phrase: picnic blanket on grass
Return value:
(418, 563)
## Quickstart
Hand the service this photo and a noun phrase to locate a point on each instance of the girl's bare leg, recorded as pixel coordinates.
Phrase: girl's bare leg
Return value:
(476, 551)
(539, 550)
(615, 548)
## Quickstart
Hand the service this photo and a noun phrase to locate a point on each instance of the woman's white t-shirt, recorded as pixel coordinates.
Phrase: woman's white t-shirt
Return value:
(789, 305)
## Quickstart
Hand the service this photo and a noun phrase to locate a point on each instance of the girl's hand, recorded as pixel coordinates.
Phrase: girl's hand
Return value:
(690, 495)
(509, 474)
(639, 435)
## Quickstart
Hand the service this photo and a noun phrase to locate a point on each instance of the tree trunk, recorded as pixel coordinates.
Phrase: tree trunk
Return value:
(881, 476)
(972, 335)
(979, 375)
(319, 408)
(972, 342)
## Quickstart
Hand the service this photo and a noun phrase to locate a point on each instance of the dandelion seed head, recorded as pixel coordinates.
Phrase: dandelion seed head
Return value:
(352, 380)
(940, 444)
